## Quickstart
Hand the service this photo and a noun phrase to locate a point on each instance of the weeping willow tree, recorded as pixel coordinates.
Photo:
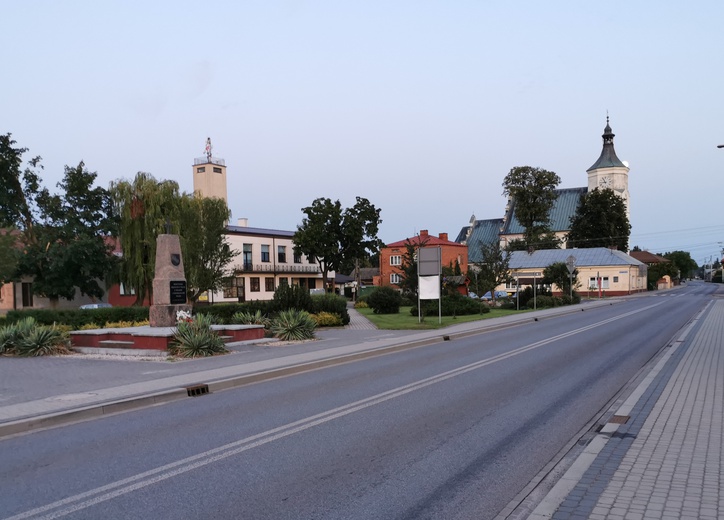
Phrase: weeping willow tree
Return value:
(145, 208)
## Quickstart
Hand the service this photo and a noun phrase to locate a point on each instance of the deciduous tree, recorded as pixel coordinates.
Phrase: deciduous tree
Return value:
(492, 270)
(600, 221)
(336, 237)
(533, 192)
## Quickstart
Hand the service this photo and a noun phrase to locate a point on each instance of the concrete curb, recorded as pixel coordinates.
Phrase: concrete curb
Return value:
(71, 415)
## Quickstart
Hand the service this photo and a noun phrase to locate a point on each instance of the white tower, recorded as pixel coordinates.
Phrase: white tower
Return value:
(608, 171)
(210, 175)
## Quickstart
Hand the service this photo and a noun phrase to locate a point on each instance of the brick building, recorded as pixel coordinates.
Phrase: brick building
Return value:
(391, 256)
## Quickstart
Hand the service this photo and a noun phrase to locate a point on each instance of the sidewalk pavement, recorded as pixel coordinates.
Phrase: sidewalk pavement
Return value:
(659, 457)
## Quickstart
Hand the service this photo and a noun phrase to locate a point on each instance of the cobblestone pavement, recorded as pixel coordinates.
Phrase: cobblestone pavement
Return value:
(666, 461)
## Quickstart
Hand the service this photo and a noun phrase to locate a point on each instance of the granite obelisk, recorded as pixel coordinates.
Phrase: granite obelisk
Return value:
(169, 283)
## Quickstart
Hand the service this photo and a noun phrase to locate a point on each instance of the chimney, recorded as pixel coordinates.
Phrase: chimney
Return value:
(423, 232)
(443, 236)
(242, 222)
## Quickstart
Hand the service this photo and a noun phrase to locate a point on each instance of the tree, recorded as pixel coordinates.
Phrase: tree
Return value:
(408, 278)
(658, 271)
(683, 261)
(558, 274)
(144, 207)
(600, 221)
(18, 189)
(9, 252)
(492, 270)
(206, 252)
(533, 191)
(540, 239)
(335, 238)
(67, 247)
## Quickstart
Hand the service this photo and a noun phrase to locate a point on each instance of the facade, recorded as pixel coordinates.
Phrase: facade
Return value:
(210, 175)
(391, 256)
(615, 272)
(266, 260)
(607, 172)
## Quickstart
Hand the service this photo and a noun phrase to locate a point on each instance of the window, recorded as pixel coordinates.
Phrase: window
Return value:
(124, 291)
(615, 279)
(592, 283)
(283, 280)
(27, 289)
(269, 284)
(264, 253)
(282, 254)
(217, 170)
(312, 283)
(395, 260)
(311, 259)
(297, 258)
(254, 284)
(247, 257)
(200, 169)
(604, 282)
(395, 278)
(234, 287)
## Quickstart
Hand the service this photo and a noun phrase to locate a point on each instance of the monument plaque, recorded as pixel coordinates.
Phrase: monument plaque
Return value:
(169, 283)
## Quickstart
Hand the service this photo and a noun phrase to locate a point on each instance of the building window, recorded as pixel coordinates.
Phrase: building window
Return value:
(126, 291)
(254, 284)
(282, 254)
(615, 279)
(27, 290)
(394, 278)
(312, 283)
(311, 259)
(283, 281)
(246, 259)
(217, 170)
(592, 283)
(264, 253)
(604, 282)
(395, 260)
(200, 169)
(269, 284)
(297, 258)
(234, 287)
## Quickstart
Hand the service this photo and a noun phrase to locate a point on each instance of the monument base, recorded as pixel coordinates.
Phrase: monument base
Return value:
(165, 315)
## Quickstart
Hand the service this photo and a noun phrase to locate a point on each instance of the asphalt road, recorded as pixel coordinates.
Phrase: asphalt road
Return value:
(452, 430)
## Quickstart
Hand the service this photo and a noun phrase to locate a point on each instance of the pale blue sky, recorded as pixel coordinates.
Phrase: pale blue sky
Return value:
(421, 107)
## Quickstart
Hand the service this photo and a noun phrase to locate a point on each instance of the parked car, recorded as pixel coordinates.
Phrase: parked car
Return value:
(99, 305)
(498, 295)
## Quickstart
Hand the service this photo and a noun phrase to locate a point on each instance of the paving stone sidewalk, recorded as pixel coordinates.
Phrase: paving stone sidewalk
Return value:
(666, 462)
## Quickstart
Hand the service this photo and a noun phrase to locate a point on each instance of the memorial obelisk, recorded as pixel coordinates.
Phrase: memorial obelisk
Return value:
(169, 282)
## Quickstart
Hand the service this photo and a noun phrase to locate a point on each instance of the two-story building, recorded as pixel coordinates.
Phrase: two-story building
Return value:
(391, 256)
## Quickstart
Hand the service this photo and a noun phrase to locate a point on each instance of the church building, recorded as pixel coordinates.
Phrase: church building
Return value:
(607, 172)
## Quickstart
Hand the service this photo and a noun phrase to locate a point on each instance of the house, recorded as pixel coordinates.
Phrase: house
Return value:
(650, 259)
(391, 256)
(614, 272)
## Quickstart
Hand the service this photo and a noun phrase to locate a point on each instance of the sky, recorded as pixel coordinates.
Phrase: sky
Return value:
(422, 107)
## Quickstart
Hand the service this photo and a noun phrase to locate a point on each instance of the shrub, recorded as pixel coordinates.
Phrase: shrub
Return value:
(196, 339)
(293, 325)
(452, 305)
(385, 300)
(292, 297)
(361, 304)
(42, 341)
(248, 318)
(224, 312)
(76, 318)
(327, 319)
(332, 304)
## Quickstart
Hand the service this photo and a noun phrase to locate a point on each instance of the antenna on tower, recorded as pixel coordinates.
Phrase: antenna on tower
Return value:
(208, 148)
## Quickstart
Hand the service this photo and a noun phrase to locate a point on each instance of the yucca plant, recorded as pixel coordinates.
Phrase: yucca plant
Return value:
(44, 340)
(251, 318)
(196, 339)
(8, 338)
(293, 325)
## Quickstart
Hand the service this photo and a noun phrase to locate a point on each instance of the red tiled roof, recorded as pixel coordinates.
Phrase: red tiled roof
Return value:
(431, 241)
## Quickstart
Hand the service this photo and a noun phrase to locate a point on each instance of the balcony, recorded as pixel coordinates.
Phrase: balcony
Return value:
(206, 160)
(277, 269)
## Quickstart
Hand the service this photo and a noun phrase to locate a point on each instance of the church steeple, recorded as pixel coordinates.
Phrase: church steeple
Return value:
(608, 158)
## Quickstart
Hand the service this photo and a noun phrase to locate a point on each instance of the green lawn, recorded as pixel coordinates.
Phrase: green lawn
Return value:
(405, 321)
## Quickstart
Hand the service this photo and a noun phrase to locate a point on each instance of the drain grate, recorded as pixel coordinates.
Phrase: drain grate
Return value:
(197, 390)
(619, 419)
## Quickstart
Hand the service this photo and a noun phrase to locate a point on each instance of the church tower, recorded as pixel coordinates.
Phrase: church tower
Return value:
(608, 171)
(210, 175)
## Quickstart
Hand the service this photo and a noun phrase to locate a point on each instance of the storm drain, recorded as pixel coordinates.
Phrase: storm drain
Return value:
(619, 419)
(196, 390)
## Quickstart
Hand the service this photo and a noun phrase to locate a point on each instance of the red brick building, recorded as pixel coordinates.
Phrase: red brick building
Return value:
(391, 256)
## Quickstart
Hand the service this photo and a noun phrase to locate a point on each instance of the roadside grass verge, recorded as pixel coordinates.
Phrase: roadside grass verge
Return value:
(405, 321)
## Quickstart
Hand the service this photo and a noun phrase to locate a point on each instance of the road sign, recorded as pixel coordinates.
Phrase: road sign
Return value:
(571, 263)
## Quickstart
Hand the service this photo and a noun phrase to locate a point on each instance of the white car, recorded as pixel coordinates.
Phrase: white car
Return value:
(99, 305)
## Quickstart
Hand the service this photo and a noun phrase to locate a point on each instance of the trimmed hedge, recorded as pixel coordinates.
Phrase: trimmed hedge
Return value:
(385, 300)
(452, 305)
(76, 318)
(332, 304)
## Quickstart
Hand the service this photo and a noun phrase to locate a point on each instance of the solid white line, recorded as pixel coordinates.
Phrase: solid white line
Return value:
(147, 478)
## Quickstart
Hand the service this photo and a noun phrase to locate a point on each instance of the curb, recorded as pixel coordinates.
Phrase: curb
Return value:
(27, 424)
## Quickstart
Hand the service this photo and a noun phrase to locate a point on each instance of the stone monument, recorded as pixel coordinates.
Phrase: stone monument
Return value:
(169, 283)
